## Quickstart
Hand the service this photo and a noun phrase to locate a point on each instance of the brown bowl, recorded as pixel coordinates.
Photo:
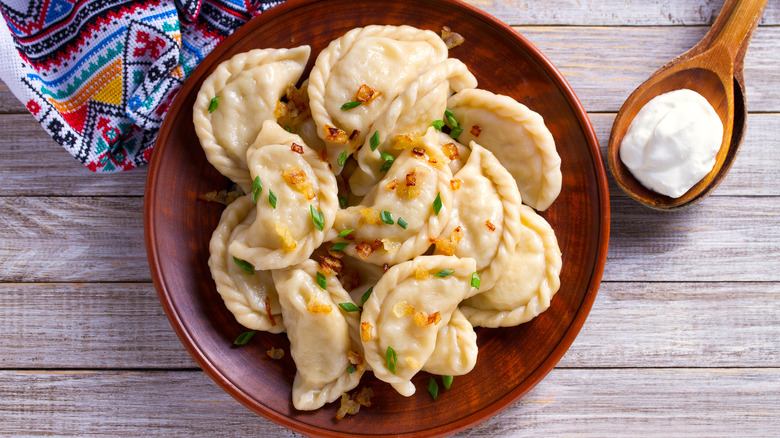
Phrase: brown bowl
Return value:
(511, 361)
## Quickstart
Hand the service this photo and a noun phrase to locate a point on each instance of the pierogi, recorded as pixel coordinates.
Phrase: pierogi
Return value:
(386, 211)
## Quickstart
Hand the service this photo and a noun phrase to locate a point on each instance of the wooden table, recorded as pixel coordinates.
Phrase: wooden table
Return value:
(683, 339)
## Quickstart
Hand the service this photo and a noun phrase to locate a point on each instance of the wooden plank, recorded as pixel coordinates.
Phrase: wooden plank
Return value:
(582, 402)
(24, 146)
(718, 239)
(605, 64)
(72, 239)
(8, 102)
(612, 12)
(92, 325)
(101, 240)
(122, 326)
(34, 164)
(754, 172)
(680, 324)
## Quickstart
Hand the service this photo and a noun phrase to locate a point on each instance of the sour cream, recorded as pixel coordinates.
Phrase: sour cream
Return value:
(672, 142)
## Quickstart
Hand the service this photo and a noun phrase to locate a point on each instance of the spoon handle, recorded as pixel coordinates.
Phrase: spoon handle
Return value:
(734, 26)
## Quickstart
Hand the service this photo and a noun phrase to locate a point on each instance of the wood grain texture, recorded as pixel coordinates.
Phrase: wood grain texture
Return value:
(122, 326)
(587, 403)
(72, 239)
(753, 173)
(723, 238)
(612, 12)
(602, 82)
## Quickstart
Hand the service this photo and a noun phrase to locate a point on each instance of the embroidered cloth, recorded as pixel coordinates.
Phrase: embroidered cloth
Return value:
(99, 75)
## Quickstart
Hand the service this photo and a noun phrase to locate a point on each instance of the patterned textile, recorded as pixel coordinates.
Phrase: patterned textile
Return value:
(99, 75)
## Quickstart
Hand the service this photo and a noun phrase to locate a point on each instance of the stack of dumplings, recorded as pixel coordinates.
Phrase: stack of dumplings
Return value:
(388, 208)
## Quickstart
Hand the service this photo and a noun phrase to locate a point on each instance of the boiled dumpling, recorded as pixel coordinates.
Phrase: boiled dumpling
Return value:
(485, 222)
(410, 114)
(251, 297)
(517, 136)
(406, 312)
(527, 284)
(374, 65)
(246, 89)
(297, 188)
(324, 339)
(398, 218)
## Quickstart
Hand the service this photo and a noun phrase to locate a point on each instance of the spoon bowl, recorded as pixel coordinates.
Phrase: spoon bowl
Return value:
(712, 68)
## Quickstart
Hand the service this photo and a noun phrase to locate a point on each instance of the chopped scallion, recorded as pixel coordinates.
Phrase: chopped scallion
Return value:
(321, 281)
(388, 162)
(387, 217)
(433, 388)
(317, 218)
(245, 266)
(213, 104)
(287, 128)
(342, 202)
(475, 280)
(455, 132)
(272, 198)
(350, 105)
(342, 158)
(374, 142)
(339, 246)
(438, 124)
(257, 188)
(451, 119)
(243, 338)
(344, 233)
(437, 204)
(447, 381)
(444, 273)
(351, 369)
(402, 223)
(349, 307)
(366, 296)
(392, 359)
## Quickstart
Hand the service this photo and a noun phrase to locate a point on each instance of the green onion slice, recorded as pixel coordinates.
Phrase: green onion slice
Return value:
(475, 280)
(444, 273)
(447, 381)
(387, 217)
(366, 295)
(374, 141)
(388, 161)
(317, 218)
(455, 132)
(437, 204)
(257, 188)
(433, 388)
(243, 338)
(392, 359)
(272, 198)
(350, 105)
(451, 119)
(342, 202)
(345, 233)
(245, 266)
(349, 307)
(438, 124)
(351, 369)
(213, 104)
(339, 246)
(342, 158)
(402, 223)
(321, 281)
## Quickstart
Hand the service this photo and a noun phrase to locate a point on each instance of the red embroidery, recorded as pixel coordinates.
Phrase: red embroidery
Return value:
(148, 44)
(33, 107)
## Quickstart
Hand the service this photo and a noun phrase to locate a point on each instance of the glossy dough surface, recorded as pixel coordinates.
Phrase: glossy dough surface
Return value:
(517, 136)
(247, 88)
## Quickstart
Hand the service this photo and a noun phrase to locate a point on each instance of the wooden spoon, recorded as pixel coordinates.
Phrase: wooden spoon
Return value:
(713, 68)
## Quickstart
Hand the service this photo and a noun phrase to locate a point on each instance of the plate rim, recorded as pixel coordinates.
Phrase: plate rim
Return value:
(474, 418)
